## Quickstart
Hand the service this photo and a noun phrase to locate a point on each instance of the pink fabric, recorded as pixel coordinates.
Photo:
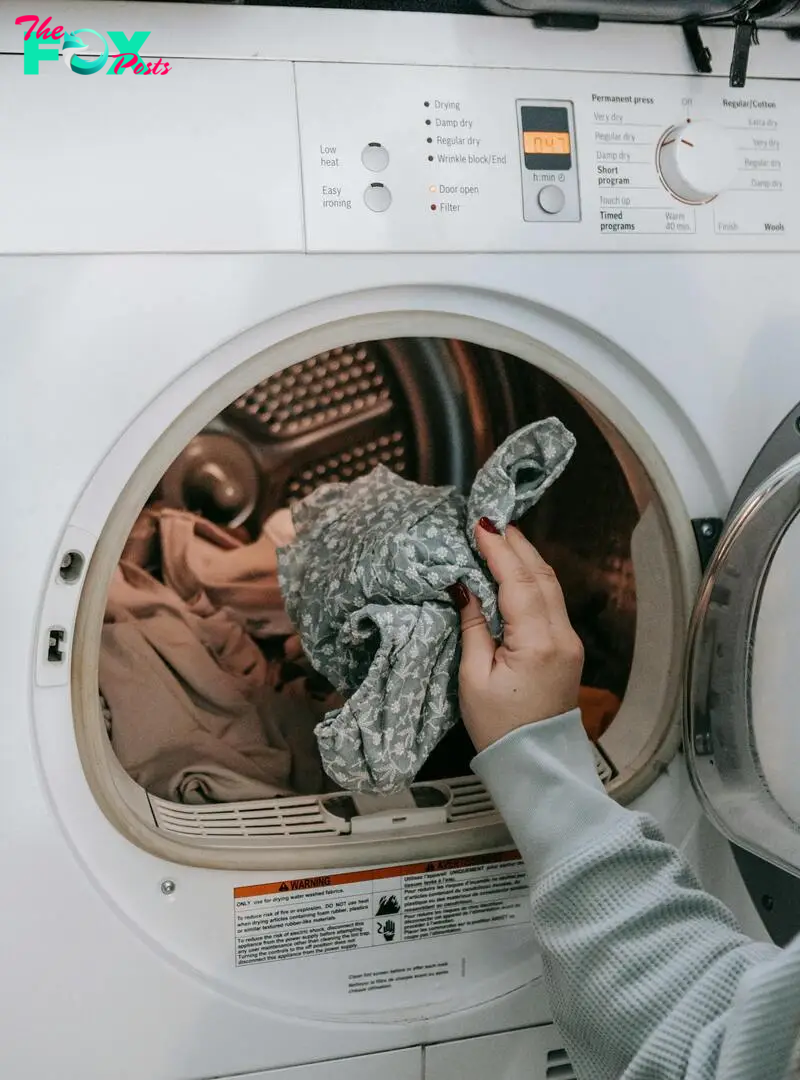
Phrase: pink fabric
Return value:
(210, 570)
(194, 717)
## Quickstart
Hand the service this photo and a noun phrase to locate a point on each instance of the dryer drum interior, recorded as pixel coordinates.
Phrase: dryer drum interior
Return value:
(433, 410)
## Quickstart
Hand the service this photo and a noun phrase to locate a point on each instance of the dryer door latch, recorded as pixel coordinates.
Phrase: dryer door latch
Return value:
(707, 532)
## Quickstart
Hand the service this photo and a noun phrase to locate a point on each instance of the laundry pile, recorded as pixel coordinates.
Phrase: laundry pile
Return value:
(323, 654)
(197, 712)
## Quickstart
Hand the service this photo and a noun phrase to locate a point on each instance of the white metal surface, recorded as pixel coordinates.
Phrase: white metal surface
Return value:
(399, 1065)
(535, 1054)
(112, 975)
(160, 164)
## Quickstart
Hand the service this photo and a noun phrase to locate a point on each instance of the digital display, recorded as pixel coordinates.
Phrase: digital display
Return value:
(546, 141)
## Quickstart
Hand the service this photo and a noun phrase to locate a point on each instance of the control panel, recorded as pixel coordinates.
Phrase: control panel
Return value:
(475, 159)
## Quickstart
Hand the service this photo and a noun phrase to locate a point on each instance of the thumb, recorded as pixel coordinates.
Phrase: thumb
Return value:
(477, 644)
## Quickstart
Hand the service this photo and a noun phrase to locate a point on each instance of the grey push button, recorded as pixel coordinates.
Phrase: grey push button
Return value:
(551, 199)
(375, 157)
(378, 198)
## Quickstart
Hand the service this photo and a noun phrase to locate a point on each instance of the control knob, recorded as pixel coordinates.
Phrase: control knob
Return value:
(696, 161)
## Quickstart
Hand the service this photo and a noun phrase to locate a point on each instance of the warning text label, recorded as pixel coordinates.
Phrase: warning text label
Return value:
(370, 908)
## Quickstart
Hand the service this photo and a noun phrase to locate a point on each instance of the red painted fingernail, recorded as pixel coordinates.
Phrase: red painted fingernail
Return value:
(489, 526)
(459, 594)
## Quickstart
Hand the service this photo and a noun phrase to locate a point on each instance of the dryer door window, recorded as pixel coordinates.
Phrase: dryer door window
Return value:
(742, 715)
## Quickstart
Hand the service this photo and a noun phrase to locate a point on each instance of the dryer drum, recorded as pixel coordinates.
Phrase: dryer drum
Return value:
(336, 416)
(433, 410)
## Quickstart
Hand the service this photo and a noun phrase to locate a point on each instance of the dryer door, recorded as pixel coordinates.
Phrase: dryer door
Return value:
(742, 704)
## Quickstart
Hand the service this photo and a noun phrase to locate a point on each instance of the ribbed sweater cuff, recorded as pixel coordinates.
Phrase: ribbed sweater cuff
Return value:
(543, 780)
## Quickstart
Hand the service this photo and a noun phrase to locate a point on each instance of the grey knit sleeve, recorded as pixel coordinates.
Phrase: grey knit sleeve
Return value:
(649, 976)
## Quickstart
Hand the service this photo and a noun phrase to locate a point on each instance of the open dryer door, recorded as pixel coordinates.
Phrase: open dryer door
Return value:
(742, 706)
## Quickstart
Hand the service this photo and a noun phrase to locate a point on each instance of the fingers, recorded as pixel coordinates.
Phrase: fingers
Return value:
(545, 577)
(520, 599)
(529, 594)
(525, 551)
(477, 644)
(502, 560)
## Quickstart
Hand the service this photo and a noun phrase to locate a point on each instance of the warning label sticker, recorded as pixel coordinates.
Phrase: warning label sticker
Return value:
(366, 909)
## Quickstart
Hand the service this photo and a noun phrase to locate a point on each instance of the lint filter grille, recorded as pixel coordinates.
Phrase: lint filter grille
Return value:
(460, 799)
(559, 1066)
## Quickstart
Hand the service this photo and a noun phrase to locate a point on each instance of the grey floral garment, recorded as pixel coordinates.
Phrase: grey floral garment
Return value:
(365, 585)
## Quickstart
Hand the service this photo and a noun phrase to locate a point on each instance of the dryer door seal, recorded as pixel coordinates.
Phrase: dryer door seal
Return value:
(742, 719)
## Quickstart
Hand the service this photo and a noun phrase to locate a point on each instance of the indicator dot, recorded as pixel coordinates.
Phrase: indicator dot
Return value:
(429, 139)
(427, 104)
(430, 157)
(432, 188)
(433, 206)
(428, 123)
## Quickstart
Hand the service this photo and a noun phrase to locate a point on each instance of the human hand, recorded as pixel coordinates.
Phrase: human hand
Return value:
(535, 672)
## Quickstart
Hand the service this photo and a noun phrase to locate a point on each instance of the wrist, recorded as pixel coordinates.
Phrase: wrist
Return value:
(485, 735)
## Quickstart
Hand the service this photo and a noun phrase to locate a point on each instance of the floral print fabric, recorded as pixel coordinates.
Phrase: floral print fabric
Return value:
(365, 584)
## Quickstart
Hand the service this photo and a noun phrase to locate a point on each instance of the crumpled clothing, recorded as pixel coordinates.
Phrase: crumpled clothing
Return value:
(210, 568)
(365, 584)
(193, 717)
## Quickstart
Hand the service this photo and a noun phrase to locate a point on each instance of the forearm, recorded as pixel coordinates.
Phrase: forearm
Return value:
(642, 965)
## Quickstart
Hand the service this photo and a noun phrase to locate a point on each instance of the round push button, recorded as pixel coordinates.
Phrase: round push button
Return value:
(551, 199)
(375, 157)
(378, 198)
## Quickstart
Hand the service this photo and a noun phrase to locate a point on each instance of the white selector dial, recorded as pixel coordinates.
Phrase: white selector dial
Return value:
(697, 161)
